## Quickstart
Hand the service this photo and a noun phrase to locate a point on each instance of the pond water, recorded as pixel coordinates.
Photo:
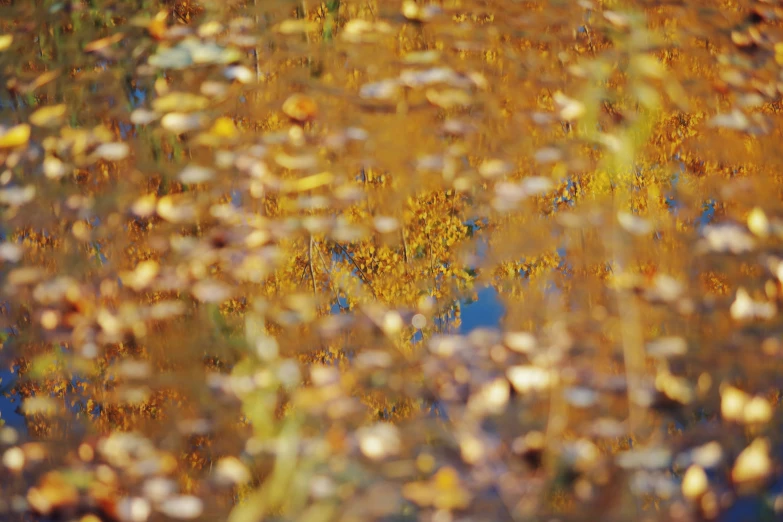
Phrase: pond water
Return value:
(390, 260)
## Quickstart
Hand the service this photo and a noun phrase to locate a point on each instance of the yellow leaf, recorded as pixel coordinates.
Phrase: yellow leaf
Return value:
(311, 182)
(753, 464)
(5, 41)
(292, 26)
(157, 26)
(50, 116)
(758, 223)
(180, 102)
(224, 128)
(15, 136)
(446, 478)
(694, 482)
(779, 52)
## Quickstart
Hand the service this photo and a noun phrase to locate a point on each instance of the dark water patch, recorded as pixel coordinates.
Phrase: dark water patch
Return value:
(486, 311)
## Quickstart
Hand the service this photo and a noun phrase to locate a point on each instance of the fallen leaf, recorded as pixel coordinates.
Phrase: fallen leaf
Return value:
(102, 43)
(5, 41)
(753, 464)
(300, 108)
(14, 136)
(49, 116)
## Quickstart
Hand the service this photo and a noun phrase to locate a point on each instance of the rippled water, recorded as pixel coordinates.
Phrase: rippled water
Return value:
(390, 260)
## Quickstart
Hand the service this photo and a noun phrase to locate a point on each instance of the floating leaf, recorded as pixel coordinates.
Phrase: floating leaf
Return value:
(40, 406)
(745, 308)
(758, 223)
(522, 342)
(757, 411)
(14, 136)
(448, 98)
(180, 123)
(49, 116)
(143, 116)
(209, 29)
(24, 276)
(667, 347)
(379, 441)
(645, 458)
(357, 30)
(158, 489)
(649, 65)
(728, 238)
(175, 211)
(493, 168)
(156, 27)
(112, 151)
(141, 277)
(184, 507)
(175, 58)
(385, 90)
(14, 459)
(180, 102)
(618, 20)
(53, 493)
(753, 464)
(211, 291)
(102, 43)
(570, 109)
(694, 482)
(536, 185)
(303, 162)
(385, 224)
(735, 120)
(54, 168)
(239, 73)
(17, 196)
(415, 78)
(193, 51)
(634, 224)
(296, 26)
(144, 206)
(5, 41)
(300, 107)
(422, 57)
(41, 80)
(733, 402)
(134, 509)
(581, 397)
(443, 491)
(10, 252)
(193, 174)
(527, 378)
(229, 470)
(413, 11)
(491, 398)
(548, 155)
